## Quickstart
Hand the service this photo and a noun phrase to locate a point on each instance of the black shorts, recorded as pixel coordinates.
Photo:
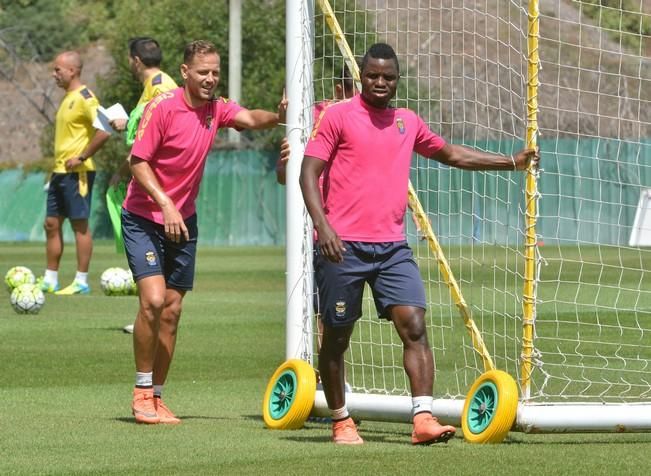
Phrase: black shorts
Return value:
(69, 195)
(150, 253)
(388, 268)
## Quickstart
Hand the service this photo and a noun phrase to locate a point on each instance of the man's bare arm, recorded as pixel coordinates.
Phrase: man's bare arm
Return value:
(173, 221)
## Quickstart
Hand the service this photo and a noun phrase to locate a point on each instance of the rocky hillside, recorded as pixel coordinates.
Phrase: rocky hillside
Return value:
(475, 65)
(29, 98)
(471, 64)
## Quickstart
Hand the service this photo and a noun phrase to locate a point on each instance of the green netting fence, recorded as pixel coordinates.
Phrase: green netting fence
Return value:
(590, 189)
(240, 202)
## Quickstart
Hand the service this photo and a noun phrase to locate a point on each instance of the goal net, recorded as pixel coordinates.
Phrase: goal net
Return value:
(466, 69)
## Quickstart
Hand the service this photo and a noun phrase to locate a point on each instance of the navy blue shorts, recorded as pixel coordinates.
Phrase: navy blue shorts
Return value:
(64, 198)
(388, 268)
(150, 253)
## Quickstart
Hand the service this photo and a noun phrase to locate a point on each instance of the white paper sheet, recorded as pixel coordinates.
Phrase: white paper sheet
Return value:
(104, 116)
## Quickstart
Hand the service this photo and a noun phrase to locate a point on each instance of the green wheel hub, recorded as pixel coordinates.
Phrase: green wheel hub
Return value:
(482, 407)
(283, 394)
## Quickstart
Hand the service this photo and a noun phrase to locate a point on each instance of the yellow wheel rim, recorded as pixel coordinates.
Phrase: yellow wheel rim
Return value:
(490, 408)
(289, 396)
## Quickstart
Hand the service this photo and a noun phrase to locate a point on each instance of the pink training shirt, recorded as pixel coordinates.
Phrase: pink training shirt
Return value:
(319, 110)
(175, 139)
(369, 153)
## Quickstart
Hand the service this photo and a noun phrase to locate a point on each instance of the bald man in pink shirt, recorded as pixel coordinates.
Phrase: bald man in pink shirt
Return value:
(364, 149)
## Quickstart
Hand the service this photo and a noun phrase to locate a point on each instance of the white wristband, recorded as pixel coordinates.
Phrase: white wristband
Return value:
(515, 167)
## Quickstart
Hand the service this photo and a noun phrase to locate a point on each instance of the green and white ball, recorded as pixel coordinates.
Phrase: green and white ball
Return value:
(115, 281)
(132, 289)
(19, 275)
(27, 299)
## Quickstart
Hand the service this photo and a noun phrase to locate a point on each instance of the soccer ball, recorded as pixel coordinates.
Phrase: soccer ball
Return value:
(27, 299)
(115, 281)
(19, 275)
(132, 288)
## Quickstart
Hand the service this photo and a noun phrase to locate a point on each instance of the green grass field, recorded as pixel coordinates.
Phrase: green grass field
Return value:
(67, 374)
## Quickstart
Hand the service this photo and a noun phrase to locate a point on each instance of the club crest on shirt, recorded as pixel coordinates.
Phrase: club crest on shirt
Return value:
(150, 257)
(401, 125)
(208, 121)
(340, 308)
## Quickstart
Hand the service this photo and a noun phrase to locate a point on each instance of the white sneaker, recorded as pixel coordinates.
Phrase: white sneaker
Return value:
(128, 329)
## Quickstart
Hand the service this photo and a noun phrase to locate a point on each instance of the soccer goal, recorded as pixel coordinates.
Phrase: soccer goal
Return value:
(530, 276)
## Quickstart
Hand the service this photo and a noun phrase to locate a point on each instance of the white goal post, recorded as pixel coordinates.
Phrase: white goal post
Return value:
(551, 265)
(641, 231)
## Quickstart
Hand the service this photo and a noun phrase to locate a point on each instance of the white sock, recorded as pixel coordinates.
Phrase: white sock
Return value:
(81, 277)
(144, 379)
(158, 391)
(421, 404)
(340, 413)
(51, 277)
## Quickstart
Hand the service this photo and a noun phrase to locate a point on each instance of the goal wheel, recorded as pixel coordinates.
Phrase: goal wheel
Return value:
(490, 408)
(289, 397)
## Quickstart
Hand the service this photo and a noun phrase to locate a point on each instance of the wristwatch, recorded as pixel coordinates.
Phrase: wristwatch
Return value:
(82, 158)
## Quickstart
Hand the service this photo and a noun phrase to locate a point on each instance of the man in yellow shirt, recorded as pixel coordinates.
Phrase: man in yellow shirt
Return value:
(145, 57)
(70, 187)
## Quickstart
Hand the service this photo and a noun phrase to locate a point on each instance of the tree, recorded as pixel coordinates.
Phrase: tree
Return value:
(51, 26)
(263, 47)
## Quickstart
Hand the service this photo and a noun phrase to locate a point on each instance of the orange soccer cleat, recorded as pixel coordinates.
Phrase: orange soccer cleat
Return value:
(344, 432)
(143, 407)
(164, 414)
(428, 430)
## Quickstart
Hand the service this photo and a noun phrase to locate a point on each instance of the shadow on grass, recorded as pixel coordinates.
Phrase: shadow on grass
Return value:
(375, 437)
(183, 418)
(113, 329)
(317, 431)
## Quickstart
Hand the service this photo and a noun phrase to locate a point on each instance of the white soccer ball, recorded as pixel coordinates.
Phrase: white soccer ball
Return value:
(19, 275)
(132, 289)
(115, 281)
(27, 299)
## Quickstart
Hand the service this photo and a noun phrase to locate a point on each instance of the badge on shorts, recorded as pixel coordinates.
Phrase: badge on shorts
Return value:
(340, 308)
(151, 258)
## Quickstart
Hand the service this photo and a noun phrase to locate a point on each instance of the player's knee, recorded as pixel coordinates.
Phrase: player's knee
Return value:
(334, 344)
(51, 225)
(79, 226)
(152, 304)
(416, 332)
(411, 325)
(173, 312)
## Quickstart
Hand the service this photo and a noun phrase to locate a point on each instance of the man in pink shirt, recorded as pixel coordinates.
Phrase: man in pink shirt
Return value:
(159, 220)
(365, 147)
